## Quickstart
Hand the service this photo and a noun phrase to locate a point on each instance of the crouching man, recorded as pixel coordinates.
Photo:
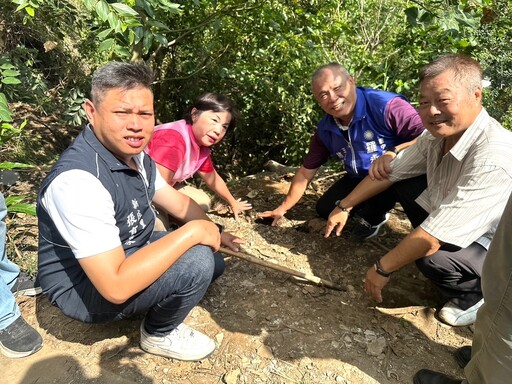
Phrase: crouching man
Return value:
(99, 257)
(453, 184)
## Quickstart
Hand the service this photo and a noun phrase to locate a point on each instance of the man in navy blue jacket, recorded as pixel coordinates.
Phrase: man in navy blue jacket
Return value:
(360, 125)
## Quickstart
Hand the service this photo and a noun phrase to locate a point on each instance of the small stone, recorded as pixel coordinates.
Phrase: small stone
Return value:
(370, 335)
(231, 377)
(376, 347)
(265, 352)
(219, 337)
(360, 339)
(247, 284)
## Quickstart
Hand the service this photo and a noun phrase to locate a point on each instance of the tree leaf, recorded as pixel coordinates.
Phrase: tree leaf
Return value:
(102, 10)
(103, 34)
(29, 209)
(124, 9)
(106, 45)
(155, 23)
(5, 115)
(10, 72)
(11, 80)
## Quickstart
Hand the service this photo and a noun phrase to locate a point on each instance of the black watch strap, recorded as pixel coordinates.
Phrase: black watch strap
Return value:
(393, 149)
(338, 204)
(380, 271)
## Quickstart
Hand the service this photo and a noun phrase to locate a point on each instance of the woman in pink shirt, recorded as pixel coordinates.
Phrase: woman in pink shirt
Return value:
(182, 148)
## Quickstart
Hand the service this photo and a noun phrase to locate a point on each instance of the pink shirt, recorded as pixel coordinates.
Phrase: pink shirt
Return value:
(173, 146)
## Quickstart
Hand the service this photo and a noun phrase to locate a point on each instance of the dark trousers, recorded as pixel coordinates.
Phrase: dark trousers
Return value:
(373, 210)
(165, 303)
(455, 271)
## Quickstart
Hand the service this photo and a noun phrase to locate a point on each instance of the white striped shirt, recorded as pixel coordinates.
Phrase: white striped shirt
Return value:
(468, 188)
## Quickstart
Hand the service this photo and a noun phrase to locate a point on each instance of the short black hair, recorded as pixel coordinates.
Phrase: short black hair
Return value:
(214, 102)
(120, 75)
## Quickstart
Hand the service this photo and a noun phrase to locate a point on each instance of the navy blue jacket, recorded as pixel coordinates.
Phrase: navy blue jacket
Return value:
(369, 134)
(59, 270)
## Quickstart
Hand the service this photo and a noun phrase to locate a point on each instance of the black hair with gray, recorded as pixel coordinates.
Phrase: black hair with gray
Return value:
(119, 75)
(466, 71)
(216, 103)
(332, 65)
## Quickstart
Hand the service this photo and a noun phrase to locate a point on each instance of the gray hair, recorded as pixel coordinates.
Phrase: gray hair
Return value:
(466, 71)
(333, 66)
(120, 75)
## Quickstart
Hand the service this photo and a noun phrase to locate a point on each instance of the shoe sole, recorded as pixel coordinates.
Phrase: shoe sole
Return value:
(159, 352)
(28, 292)
(471, 317)
(17, 355)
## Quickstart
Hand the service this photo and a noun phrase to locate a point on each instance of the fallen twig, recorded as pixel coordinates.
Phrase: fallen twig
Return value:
(308, 277)
(402, 310)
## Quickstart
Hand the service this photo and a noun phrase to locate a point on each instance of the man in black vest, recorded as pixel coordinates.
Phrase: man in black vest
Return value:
(99, 258)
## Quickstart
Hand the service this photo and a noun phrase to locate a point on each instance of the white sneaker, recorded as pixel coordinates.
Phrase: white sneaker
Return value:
(182, 343)
(453, 315)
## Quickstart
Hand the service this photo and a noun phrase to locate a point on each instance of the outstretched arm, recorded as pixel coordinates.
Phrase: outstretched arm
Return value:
(362, 192)
(217, 184)
(297, 188)
(415, 245)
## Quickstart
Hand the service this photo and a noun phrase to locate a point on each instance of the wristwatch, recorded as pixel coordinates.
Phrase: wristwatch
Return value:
(380, 271)
(393, 149)
(338, 204)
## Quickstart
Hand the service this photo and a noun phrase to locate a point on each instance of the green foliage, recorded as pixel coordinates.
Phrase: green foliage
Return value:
(28, 7)
(260, 53)
(15, 203)
(8, 77)
(75, 113)
(131, 31)
(496, 33)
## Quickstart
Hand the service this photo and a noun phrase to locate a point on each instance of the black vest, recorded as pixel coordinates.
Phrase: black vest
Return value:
(59, 270)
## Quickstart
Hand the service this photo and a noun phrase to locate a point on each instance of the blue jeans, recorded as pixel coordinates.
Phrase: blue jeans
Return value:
(9, 310)
(166, 302)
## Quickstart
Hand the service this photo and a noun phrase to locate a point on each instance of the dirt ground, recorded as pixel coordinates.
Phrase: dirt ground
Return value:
(270, 327)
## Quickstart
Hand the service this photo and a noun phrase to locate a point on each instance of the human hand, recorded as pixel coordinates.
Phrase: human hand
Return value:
(381, 167)
(336, 220)
(231, 241)
(277, 214)
(240, 205)
(207, 232)
(374, 283)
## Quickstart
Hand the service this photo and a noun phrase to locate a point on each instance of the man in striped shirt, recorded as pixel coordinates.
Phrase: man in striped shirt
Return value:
(453, 184)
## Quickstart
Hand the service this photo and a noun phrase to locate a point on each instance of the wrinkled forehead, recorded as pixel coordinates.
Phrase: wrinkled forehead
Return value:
(327, 79)
(445, 81)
